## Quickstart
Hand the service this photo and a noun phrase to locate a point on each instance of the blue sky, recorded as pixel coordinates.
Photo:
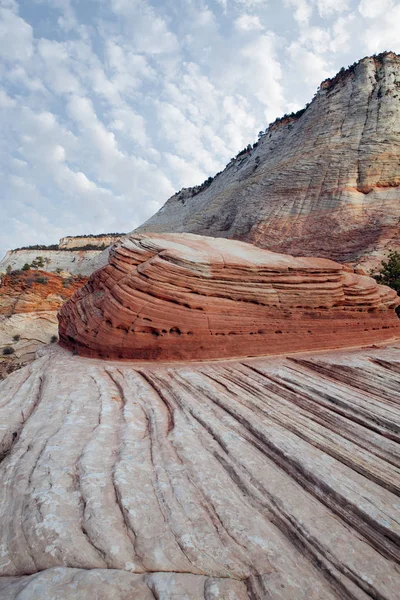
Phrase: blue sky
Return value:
(109, 106)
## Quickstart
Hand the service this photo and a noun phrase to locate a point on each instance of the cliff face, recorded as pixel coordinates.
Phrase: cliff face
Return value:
(72, 261)
(183, 296)
(325, 183)
(102, 241)
(29, 301)
(74, 255)
(35, 291)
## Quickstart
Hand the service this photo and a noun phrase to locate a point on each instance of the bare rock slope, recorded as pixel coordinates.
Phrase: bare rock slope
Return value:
(261, 478)
(185, 297)
(29, 301)
(324, 182)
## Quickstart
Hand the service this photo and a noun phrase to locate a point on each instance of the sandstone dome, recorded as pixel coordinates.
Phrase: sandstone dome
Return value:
(186, 297)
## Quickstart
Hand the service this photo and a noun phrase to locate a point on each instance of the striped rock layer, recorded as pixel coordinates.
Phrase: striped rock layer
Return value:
(266, 478)
(182, 296)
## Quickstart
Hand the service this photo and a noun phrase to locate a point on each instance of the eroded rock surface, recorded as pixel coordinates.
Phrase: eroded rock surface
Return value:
(35, 291)
(261, 478)
(185, 297)
(29, 301)
(323, 183)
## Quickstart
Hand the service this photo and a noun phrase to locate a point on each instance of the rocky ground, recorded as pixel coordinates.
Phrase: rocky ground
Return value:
(259, 478)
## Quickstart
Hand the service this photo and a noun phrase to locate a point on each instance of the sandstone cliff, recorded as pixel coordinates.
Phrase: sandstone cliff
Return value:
(183, 296)
(79, 241)
(36, 291)
(29, 302)
(324, 182)
(75, 255)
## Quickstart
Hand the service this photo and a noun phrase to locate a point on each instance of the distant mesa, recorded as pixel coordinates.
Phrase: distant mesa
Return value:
(188, 297)
(76, 255)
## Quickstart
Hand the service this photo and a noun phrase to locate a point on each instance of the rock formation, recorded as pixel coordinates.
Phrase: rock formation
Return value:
(324, 182)
(265, 478)
(35, 291)
(81, 241)
(185, 297)
(29, 301)
(75, 255)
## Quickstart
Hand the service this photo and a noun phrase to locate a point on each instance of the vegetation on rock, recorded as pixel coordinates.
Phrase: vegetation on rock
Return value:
(390, 273)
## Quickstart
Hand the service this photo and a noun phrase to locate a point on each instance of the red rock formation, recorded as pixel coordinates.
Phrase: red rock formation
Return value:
(35, 291)
(174, 297)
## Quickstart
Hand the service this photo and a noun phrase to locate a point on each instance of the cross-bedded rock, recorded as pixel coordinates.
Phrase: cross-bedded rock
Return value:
(182, 296)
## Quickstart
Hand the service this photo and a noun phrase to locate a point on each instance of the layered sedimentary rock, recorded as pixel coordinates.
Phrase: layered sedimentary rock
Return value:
(81, 241)
(324, 182)
(75, 255)
(29, 301)
(185, 297)
(262, 478)
(35, 291)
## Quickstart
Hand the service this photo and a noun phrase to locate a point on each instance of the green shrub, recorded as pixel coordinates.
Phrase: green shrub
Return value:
(8, 350)
(67, 282)
(390, 271)
(42, 280)
(26, 267)
(16, 337)
(54, 339)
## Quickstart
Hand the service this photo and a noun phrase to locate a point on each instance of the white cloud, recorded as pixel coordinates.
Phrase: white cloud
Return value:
(184, 171)
(16, 36)
(312, 68)
(342, 33)
(264, 73)
(302, 10)
(374, 8)
(5, 100)
(149, 31)
(248, 23)
(328, 7)
(382, 33)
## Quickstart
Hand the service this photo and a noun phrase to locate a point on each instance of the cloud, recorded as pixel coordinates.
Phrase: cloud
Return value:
(382, 32)
(302, 10)
(16, 35)
(248, 23)
(148, 30)
(329, 7)
(372, 9)
(312, 68)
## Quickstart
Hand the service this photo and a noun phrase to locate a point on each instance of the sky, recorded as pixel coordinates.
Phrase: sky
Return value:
(107, 107)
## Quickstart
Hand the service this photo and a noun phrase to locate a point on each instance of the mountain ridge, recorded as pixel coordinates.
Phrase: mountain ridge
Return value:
(338, 160)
